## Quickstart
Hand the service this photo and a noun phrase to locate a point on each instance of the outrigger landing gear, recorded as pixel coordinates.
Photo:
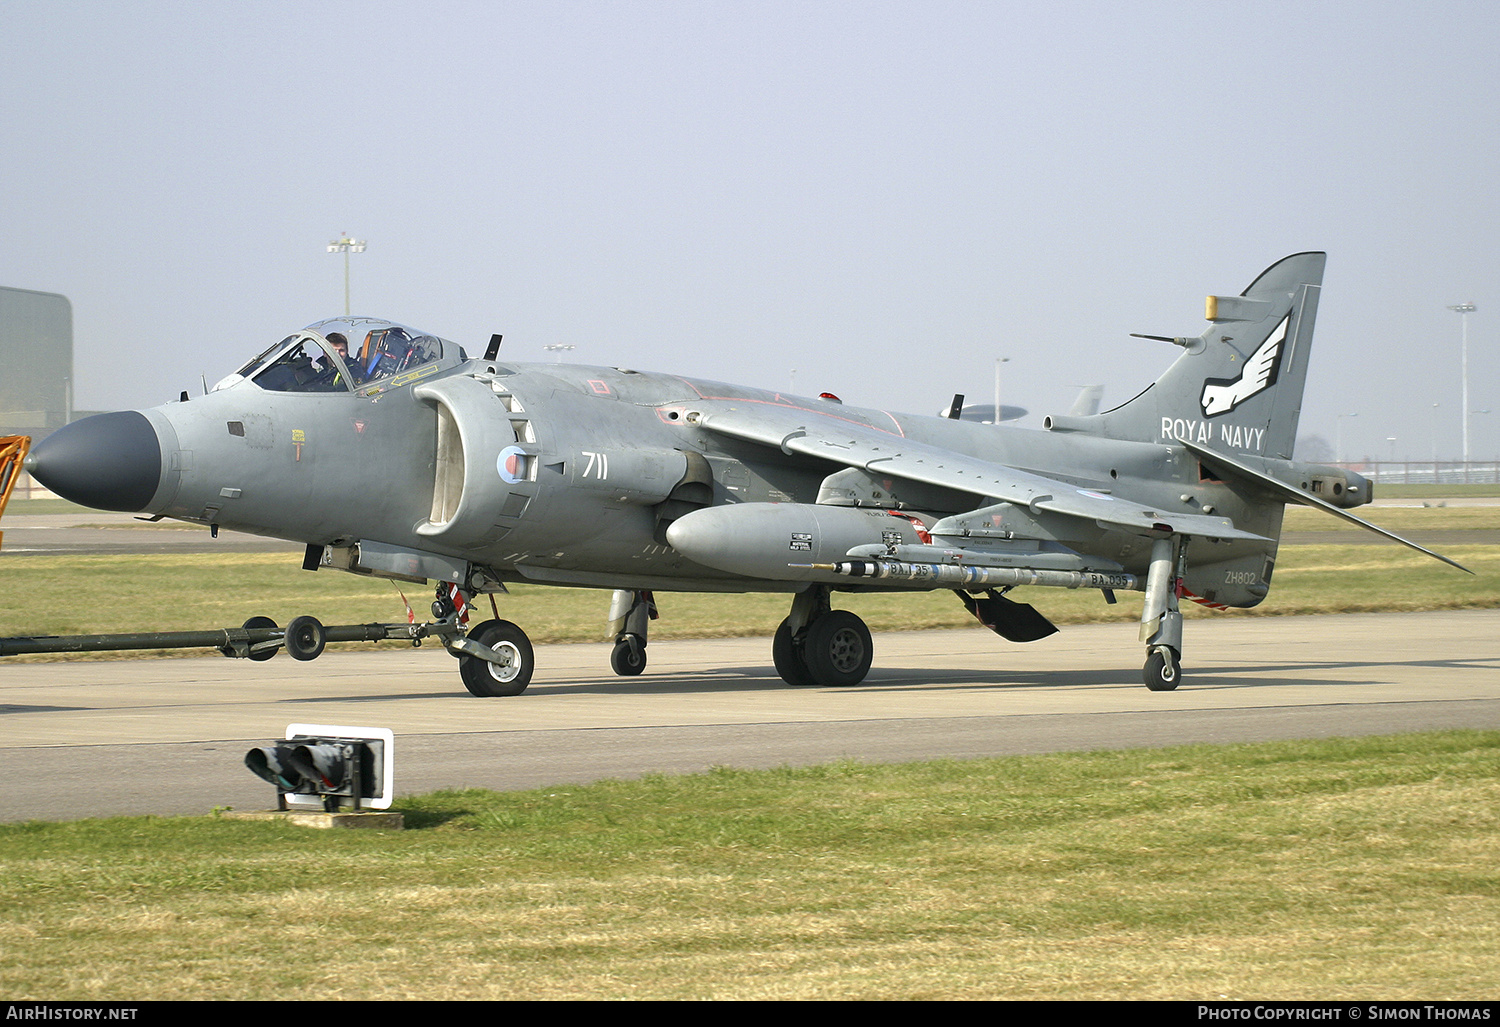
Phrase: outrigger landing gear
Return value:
(630, 614)
(817, 645)
(1161, 617)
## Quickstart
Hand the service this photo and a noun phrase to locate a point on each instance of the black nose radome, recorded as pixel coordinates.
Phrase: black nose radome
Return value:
(108, 461)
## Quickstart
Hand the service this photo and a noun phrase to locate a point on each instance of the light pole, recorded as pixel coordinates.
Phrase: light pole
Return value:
(559, 349)
(998, 361)
(1338, 444)
(1464, 310)
(345, 245)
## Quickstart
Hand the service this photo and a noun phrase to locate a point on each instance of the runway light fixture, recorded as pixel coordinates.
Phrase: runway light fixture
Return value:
(345, 245)
(330, 768)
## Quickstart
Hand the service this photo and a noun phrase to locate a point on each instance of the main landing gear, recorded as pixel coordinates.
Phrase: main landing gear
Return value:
(817, 645)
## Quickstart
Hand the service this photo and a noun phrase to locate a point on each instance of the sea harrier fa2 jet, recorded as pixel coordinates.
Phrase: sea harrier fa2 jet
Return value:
(391, 452)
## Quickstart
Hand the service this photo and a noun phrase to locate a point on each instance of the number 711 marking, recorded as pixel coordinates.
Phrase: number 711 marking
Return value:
(597, 467)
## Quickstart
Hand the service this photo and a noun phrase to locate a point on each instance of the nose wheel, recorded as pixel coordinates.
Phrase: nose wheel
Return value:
(499, 660)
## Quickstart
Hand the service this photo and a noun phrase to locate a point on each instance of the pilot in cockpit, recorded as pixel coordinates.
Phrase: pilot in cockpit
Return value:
(340, 344)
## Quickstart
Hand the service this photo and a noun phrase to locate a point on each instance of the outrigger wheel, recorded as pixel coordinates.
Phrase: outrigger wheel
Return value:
(628, 657)
(1163, 670)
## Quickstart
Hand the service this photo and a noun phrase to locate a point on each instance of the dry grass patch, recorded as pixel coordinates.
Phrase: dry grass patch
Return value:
(1355, 869)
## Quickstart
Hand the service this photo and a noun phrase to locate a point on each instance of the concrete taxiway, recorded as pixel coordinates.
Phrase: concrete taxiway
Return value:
(169, 736)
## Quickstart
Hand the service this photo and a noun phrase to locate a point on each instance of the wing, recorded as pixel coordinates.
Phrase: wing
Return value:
(842, 440)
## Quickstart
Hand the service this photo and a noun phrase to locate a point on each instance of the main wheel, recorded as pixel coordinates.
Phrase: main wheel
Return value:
(508, 677)
(787, 656)
(305, 638)
(627, 659)
(838, 649)
(1162, 672)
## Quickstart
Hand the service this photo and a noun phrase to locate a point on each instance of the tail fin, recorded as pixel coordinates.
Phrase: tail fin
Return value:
(1238, 388)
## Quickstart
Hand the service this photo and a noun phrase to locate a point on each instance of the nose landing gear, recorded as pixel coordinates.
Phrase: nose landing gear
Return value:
(495, 658)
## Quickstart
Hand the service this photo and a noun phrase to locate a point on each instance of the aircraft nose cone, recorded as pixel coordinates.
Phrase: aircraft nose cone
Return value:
(108, 461)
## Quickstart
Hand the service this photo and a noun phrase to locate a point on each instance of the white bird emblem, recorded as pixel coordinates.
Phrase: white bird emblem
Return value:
(1221, 395)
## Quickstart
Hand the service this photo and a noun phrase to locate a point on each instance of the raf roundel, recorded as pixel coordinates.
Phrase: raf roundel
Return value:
(511, 464)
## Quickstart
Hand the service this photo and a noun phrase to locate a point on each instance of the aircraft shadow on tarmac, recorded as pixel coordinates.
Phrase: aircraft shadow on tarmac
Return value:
(763, 678)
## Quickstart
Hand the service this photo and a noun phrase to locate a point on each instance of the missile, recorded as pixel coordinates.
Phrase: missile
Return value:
(963, 576)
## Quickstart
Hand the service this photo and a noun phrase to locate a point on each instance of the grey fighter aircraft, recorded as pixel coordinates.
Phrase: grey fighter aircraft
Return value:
(392, 452)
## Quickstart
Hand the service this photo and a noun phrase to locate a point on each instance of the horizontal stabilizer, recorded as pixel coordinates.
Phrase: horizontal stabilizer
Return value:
(1224, 465)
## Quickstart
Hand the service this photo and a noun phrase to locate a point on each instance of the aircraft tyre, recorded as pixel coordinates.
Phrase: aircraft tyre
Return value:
(787, 656)
(305, 638)
(838, 649)
(510, 677)
(627, 659)
(1162, 672)
(260, 622)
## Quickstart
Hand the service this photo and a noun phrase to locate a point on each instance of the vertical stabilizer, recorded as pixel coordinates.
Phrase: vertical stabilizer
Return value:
(1238, 388)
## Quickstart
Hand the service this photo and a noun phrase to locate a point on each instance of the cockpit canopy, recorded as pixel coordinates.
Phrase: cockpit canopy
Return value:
(348, 354)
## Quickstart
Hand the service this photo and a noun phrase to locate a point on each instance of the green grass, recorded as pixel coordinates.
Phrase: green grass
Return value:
(44, 506)
(102, 594)
(63, 595)
(1344, 869)
(1399, 519)
(1389, 491)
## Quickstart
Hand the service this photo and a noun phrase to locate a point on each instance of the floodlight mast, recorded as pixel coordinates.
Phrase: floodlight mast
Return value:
(345, 245)
(1464, 310)
(1338, 445)
(998, 361)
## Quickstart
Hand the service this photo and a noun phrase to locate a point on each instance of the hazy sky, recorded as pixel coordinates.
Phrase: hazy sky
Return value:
(884, 196)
